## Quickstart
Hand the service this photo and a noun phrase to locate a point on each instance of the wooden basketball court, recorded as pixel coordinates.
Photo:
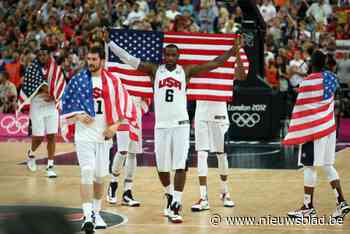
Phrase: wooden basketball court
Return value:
(256, 193)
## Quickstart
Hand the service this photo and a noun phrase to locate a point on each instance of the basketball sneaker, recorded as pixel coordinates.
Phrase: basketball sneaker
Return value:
(168, 200)
(341, 210)
(225, 197)
(201, 205)
(88, 225)
(302, 213)
(128, 199)
(31, 163)
(112, 192)
(50, 172)
(175, 216)
(99, 222)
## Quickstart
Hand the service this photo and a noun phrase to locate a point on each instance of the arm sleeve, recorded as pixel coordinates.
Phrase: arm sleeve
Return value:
(124, 56)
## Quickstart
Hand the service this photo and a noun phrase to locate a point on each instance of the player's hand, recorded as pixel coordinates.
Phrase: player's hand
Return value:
(239, 43)
(85, 119)
(105, 35)
(109, 132)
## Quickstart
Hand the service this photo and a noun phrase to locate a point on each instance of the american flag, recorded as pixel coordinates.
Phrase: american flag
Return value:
(34, 79)
(195, 48)
(313, 113)
(78, 99)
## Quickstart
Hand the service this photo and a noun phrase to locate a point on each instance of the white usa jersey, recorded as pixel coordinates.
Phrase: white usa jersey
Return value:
(94, 131)
(170, 100)
(211, 111)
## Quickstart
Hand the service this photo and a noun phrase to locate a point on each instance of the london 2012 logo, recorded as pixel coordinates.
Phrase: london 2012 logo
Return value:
(245, 119)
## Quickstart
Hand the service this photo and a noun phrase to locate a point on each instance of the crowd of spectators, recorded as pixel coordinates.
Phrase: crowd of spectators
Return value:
(68, 27)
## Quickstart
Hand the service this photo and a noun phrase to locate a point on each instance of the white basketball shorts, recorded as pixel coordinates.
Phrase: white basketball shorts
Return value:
(42, 122)
(95, 155)
(210, 136)
(171, 147)
(320, 152)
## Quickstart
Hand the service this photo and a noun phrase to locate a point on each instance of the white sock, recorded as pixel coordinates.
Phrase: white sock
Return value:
(49, 163)
(169, 189)
(97, 203)
(31, 152)
(203, 192)
(127, 186)
(114, 178)
(87, 210)
(336, 194)
(177, 197)
(224, 186)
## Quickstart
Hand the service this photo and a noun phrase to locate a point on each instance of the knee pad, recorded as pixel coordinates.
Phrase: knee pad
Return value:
(331, 173)
(130, 166)
(118, 163)
(222, 164)
(98, 180)
(87, 175)
(310, 176)
(202, 164)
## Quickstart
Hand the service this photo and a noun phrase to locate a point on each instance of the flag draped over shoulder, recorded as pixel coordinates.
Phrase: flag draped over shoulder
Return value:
(313, 113)
(78, 99)
(34, 79)
(194, 48)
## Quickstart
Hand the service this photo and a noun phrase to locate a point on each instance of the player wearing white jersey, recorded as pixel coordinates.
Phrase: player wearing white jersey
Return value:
(93, 143)
(211, 124)
(44, 119)
(126, 153)
(319, 153)
(172, 123)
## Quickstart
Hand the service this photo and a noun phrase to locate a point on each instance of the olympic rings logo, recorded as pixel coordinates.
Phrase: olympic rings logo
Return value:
(15, 126)
(245, 119)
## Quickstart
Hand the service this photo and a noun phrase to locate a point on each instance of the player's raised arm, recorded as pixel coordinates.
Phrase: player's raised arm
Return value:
(136, 63)
(240, 72)
(217, 62)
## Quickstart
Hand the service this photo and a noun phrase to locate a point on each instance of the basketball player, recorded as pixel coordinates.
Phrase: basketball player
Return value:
(211, 124)
(92, 135)
(320, 152)
(127, 151)
(172, 127)
(44, 119)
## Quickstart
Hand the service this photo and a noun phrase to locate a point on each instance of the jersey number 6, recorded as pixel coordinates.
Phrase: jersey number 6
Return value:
(169, 95)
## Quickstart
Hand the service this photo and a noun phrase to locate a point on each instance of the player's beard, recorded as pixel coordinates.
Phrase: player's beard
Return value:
(94, 68)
